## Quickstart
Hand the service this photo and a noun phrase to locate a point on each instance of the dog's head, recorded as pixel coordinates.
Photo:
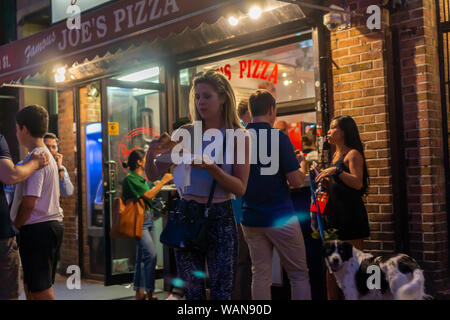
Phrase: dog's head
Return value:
(336, 253)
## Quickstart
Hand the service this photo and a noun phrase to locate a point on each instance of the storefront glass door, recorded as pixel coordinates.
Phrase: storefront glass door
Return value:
(131, 118)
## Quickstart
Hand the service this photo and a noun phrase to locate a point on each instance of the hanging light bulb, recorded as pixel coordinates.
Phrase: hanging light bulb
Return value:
(255, 12)
(233, 21)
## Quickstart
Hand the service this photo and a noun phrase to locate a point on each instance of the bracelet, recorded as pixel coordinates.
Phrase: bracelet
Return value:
(339, 169)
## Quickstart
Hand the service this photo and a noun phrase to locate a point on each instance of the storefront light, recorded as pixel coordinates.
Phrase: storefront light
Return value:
(60, 74)
(61, 70)
(284, 74)
(141, 75)
(60, 77)
(286, 82)
(255, 12)
(233, 21)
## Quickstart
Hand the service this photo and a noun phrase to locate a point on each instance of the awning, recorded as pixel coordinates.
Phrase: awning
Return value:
(108, 29)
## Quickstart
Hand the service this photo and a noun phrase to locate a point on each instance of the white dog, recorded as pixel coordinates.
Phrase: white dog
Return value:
(400, 276)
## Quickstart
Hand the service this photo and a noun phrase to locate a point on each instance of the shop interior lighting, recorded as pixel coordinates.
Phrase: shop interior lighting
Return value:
(286, 82)
(284, 74)
(93, 128)
(141, 75)
(255, 12)
(233, 21)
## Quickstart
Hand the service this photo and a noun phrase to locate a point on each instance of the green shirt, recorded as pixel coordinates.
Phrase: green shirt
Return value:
(135, 186)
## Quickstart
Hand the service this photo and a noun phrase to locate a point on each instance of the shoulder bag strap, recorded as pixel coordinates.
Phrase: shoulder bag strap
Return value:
(214, 183)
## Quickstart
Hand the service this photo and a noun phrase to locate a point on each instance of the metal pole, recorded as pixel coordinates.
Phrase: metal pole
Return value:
(315, 6)
(27, 86)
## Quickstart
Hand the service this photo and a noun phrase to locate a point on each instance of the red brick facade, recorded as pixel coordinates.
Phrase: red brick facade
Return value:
(67, 143)
(360, 85)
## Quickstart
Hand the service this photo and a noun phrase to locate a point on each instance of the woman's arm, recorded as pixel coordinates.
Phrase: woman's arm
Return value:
(354, 179)
(152, 193)
(237, 182)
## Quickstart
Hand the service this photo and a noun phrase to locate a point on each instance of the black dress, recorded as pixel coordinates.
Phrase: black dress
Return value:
(349, 215)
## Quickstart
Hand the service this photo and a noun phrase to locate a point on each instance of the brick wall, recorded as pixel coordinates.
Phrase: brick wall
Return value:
(360, 90)
(89, 112)
(69, 249)
(423, 138)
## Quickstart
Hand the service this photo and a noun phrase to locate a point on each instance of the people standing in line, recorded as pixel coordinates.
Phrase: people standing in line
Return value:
(268, 218)
(9, 253)
(35, 211)
(213, 104)
(347, 180)
(65, 185)
(135, 186)
(243, 286)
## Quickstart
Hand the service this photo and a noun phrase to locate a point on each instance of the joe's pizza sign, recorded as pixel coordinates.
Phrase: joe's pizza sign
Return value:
(254, 68)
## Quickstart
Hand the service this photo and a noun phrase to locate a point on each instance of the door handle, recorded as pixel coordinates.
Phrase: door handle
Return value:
(112, 174)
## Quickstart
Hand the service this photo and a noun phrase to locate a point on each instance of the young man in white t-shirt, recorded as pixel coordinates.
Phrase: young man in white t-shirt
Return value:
(36, 212)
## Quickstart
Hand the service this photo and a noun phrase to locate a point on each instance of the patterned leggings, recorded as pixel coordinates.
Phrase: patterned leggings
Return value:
(220, 257)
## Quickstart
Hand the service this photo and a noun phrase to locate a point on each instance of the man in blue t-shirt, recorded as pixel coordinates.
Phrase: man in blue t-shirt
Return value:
(268, 216)
(9, 255)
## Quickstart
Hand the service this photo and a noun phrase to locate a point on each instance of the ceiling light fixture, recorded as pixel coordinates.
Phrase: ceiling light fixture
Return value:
(233, 21)
(141, 75)
(255, 12)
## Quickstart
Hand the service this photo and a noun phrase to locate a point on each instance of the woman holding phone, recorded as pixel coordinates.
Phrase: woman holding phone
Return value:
(347, 181)
(213, 104)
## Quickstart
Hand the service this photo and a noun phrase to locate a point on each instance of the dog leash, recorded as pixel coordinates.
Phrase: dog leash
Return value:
(318, 214)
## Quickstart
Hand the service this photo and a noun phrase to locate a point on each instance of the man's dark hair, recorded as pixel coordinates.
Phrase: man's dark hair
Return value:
(35, 118)
(260, 102)
(242, 108)
(50, 135)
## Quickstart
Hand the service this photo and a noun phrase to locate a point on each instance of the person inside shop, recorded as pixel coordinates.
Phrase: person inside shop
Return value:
(65, 185)
(243, 285)
(347, 181)
(11, 174)
(35, 211)
(213, 104)
(135, 186)
(268, 215)
(244, 113)
(282, 126)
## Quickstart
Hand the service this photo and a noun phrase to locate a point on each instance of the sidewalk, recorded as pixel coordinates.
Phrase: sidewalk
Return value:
(95, 290)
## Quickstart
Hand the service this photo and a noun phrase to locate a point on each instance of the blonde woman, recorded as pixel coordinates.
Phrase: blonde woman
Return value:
(212, 102)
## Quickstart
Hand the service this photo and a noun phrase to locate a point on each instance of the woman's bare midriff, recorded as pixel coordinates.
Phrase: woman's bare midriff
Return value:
(203, 199)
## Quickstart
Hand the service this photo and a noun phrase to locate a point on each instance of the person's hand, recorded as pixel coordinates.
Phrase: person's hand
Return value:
(206, 163)
(41, 158)
(300, 157)
(326, 173)
(166, 178)
(59, 159)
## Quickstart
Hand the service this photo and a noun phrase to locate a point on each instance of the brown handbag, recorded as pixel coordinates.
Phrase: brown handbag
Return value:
(127, 219)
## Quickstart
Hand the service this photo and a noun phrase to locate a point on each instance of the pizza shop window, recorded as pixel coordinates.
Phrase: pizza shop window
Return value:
(286, 71)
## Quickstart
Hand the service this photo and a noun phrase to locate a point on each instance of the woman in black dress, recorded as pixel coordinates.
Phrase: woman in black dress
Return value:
(347, 180)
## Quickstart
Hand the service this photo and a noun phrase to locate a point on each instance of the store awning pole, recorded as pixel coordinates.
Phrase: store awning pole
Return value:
(26, 86)
(315, 6)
